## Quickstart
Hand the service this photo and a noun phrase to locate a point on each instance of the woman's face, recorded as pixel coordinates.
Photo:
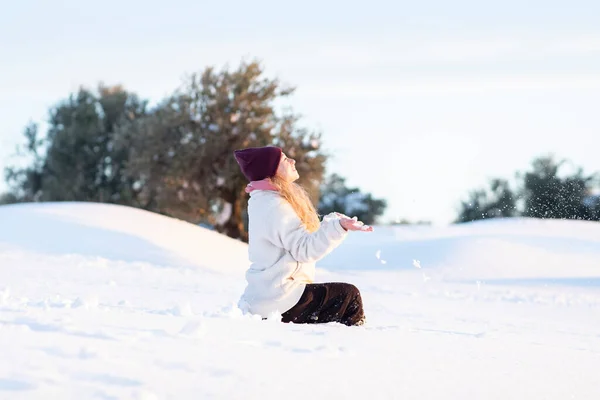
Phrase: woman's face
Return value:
(287, 169)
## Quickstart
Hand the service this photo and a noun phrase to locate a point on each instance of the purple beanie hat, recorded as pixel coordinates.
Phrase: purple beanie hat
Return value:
(258, 163)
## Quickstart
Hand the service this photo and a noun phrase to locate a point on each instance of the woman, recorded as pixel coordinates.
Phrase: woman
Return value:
(285, 240)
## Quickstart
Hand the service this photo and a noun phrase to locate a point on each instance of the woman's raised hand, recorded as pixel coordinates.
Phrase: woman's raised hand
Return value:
(353, 224)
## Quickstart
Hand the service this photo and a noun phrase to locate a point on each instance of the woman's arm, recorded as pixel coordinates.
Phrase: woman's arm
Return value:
(287, 231)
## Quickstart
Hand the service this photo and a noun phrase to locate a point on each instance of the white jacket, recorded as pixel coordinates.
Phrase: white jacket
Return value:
(282, 253)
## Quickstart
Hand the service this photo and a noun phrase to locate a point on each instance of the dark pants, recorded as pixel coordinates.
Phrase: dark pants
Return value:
(327, 302)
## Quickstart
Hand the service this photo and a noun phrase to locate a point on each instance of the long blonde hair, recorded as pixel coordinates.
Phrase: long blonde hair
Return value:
(300, 202)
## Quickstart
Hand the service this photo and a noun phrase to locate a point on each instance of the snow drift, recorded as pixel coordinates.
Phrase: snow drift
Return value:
(118, 233)
(108, 302)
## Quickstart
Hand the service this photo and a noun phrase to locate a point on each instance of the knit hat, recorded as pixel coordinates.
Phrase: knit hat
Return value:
(258, 163)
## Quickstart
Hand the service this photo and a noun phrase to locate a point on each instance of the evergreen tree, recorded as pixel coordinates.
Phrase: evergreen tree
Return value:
(8, 198)
(336, 196)
(496, 202)
(548, 195)
(77, 159)
(182, 155)
(543, 193)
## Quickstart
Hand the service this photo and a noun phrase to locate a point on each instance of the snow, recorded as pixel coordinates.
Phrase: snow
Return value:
(108, 302)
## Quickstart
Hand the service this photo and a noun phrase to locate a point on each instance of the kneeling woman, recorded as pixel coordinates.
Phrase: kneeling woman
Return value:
(286, 239)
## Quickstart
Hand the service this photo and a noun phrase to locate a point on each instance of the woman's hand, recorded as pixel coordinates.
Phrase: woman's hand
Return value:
(353, 224)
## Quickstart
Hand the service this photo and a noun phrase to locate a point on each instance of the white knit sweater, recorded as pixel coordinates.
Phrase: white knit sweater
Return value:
(282, 253)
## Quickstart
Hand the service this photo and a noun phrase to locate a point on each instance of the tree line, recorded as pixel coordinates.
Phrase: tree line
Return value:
(109, 145)
(544, 191)
(175, 158)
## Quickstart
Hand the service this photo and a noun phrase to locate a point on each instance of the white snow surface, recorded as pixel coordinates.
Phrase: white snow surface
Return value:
(109, 302)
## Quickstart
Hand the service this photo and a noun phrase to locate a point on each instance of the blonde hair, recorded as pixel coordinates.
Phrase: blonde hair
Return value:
(300, 202)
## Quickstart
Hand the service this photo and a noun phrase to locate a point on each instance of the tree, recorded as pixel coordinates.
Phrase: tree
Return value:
(335, 196)
(26, 182)
(547, 195)
(543, 193)
(496, 202)
(77, 159)
(182, 154)
(8, 198)
(176, 158)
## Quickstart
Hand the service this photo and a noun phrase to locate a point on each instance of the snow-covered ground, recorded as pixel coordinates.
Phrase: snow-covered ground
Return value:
(109, 302)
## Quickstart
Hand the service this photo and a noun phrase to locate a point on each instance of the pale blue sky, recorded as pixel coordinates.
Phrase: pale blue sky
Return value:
(418, 101)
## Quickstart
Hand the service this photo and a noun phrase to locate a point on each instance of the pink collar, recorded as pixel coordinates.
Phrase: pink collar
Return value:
(260, 185)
